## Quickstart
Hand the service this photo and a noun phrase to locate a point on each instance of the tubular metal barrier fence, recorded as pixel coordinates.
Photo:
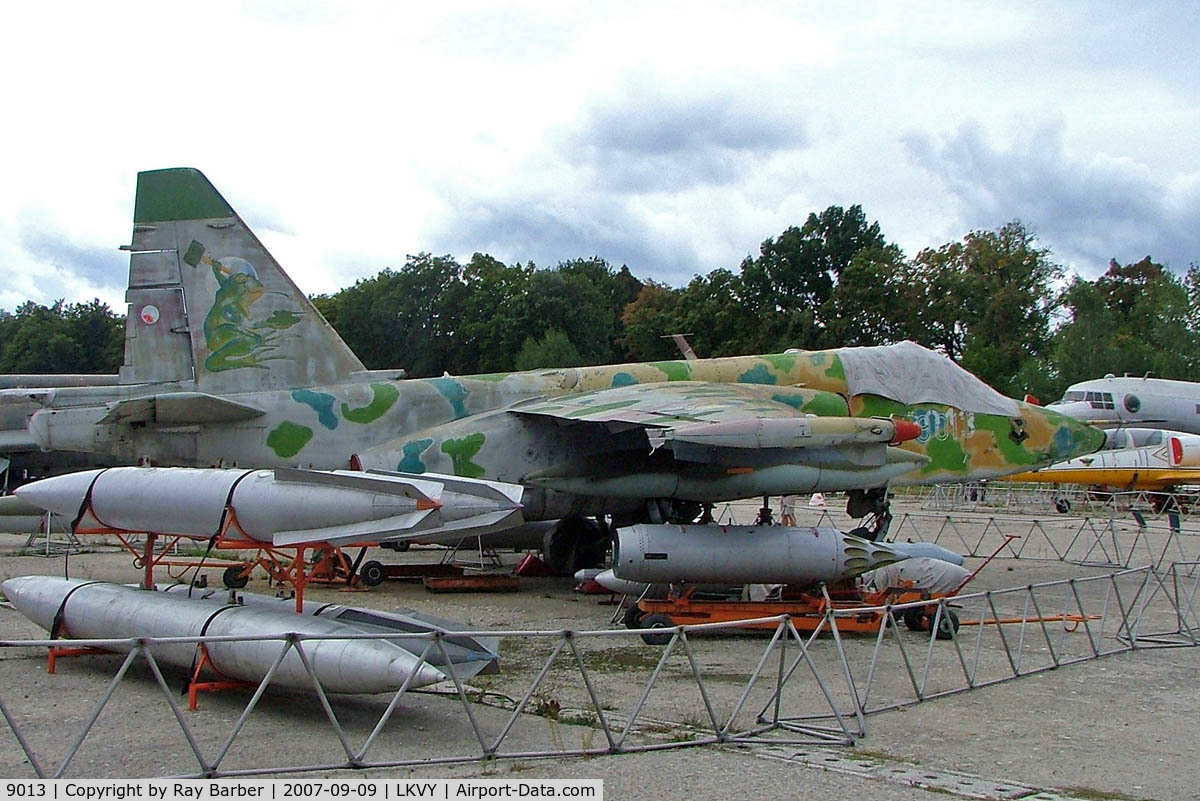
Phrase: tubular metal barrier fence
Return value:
(1111, 541)
(1011, 496)
(564, 693)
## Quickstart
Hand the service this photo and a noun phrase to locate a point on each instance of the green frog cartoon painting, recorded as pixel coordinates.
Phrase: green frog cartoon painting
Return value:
(234, 338)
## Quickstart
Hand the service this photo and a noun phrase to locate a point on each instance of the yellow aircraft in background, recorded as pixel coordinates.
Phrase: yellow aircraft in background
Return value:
(1135, 459)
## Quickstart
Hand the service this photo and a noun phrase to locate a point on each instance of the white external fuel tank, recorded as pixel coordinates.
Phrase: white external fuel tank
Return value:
(101, 610)
(710, 554)
(283, 506)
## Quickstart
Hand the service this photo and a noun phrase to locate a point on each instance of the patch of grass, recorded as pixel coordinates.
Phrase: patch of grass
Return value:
(521, 654)
(1102, 795)
(581, 718)
(626, 657)
(728, 677)
(882, 756)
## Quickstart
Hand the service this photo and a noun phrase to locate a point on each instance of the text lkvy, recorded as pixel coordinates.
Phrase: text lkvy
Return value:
(311, 790)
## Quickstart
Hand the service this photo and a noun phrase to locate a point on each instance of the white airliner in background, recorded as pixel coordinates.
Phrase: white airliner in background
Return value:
(1153, 402)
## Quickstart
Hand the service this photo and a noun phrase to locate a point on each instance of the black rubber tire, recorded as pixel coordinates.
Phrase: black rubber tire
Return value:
(372, 573)
(947, 625)
(1062, 505)
(399, 546)
(657, 621)
(915, 619)
(233, 578)
(633, 617)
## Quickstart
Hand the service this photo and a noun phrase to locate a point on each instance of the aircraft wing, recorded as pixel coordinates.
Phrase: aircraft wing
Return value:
(717, 415)
(16, 440)
(736, 424)
(180, 408)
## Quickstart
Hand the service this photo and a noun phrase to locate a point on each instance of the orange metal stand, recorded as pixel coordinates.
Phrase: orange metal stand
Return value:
(806, 609)
(288, 566)
(196, 686)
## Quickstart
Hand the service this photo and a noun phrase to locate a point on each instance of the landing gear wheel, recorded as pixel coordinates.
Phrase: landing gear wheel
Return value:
(233, 578)
(372, 573)
(947, 625)
(1062, 505)
(633, 617)
(657, 621)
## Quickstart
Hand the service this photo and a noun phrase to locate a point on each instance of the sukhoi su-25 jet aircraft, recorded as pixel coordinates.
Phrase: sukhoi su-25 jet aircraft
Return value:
(228, 364)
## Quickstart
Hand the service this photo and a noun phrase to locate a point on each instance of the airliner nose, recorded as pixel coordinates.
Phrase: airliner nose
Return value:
(1079, 410)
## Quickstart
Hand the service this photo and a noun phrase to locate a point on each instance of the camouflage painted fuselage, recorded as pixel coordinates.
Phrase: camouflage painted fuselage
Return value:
(954, 445)
(322, 427)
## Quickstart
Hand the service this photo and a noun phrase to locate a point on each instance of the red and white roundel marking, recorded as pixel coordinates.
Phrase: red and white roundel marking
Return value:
(149, 315)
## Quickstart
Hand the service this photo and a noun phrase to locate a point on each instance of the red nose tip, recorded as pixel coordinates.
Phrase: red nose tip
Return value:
(905, 430)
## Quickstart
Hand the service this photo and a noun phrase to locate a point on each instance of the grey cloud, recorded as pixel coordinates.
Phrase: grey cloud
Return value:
(650, 138)
(104, 267)
(518, 229)
(1086, 211)
(262, 217)
(593, 191)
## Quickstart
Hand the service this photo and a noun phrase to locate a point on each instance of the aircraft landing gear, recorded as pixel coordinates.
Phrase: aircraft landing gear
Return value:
(872, 504)
(577, 542)
(765, 516)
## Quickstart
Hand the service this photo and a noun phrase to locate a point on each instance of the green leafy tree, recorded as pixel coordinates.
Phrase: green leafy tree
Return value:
(61, 338)
(552, 349)
(873, 302)
(987, 302)
(615, 291)
(100, 334)
(653, 314)
(491, 328)
(401, 318)
(713, 309)
(1088, 344)
(570, 302)
(794, 276)
(1137, 318)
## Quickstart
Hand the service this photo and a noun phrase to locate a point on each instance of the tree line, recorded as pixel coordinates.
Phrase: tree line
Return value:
(996, 302)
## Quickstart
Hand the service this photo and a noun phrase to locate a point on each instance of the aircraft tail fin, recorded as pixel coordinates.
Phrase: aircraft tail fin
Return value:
(208, 303)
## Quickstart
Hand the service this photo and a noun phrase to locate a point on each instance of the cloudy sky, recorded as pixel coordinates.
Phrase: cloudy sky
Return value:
(672, 137)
